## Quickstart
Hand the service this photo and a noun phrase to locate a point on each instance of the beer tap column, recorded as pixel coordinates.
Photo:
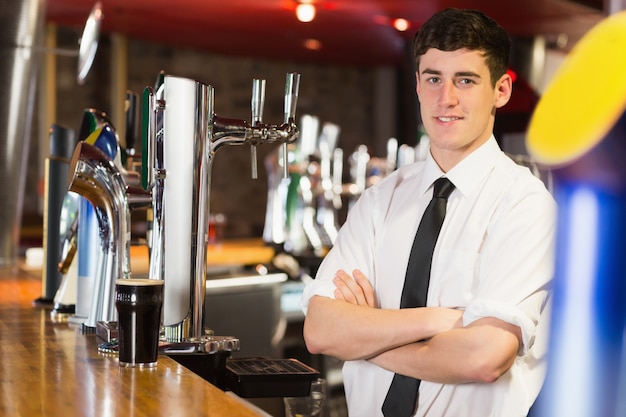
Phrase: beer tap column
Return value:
(182, 135)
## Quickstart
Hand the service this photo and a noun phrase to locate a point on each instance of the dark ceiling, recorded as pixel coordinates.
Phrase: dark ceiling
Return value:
(353, 32)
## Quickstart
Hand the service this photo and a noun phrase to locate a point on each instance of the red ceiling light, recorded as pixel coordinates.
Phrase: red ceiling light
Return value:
(313, 44)
(513, 74)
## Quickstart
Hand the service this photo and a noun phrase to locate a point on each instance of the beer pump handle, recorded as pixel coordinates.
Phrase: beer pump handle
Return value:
(147, 138)
(292, 86)
(132, 111)
(258, 102)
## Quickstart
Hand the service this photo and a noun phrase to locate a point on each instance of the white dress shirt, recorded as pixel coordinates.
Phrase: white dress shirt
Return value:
(494, 258)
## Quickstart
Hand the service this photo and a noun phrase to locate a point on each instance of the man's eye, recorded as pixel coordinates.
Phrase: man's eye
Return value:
(433, 80)
(465, 81)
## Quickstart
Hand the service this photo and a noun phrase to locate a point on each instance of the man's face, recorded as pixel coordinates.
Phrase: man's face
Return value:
(458, 102)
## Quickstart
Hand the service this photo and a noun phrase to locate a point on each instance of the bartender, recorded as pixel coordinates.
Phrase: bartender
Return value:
(477, 345)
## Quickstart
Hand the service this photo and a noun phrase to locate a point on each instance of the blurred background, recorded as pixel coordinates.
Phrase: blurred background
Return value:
(354, 56)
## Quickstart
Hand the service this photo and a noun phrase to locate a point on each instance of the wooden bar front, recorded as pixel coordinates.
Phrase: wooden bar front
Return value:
(52, 369)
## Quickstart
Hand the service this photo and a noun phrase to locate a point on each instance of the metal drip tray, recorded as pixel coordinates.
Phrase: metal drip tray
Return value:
(265, 378)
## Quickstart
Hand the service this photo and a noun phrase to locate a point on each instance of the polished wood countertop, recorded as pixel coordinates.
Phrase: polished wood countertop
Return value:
(52, 369)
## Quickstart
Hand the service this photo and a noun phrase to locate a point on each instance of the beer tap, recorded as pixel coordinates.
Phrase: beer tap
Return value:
(337, 178)
(392, 156)
(182, 134)
(227, 131)
(326, 210)
(358, 174)
(97, 178)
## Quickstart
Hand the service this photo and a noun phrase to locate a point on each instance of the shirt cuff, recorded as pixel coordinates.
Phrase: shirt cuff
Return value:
(324, 289)
(479, 309)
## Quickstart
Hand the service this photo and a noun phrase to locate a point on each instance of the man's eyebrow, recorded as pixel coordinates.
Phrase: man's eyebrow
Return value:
(431, 71)
(467, 74)
(458, 74)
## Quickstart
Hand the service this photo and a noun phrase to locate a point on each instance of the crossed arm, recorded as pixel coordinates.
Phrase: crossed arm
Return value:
(428, 343)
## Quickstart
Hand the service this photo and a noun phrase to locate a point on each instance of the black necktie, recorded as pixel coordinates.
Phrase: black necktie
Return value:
(402, 395)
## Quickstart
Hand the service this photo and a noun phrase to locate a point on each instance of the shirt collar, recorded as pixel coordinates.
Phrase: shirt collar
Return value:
(468, 173)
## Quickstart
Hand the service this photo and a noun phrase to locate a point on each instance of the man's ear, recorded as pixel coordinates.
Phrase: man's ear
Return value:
(504, 88)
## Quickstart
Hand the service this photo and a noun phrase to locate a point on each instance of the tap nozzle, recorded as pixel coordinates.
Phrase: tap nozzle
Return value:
(258, 102)
(292, 85)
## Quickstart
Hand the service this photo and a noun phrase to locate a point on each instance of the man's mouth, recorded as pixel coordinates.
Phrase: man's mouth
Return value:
(446, 119)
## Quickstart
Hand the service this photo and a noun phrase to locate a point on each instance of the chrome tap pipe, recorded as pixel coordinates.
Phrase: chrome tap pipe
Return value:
(183, 133)
(238, 132)
(94, 176)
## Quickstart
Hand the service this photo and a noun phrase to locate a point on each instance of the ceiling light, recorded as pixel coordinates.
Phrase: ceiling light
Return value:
(401, 25)
(305, 11)
(313, 44)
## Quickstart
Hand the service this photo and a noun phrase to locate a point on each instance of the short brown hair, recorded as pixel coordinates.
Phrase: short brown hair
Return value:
(452, 29)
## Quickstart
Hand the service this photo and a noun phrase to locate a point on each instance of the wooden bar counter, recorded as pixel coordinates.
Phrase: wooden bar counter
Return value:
(52, 369)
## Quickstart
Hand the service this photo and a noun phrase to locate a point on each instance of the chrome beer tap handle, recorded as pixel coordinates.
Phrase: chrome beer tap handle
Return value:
(258, 102)
(153, 175)
(152, 139)
(292, 86)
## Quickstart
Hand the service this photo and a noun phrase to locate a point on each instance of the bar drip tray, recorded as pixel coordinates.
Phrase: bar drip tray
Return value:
(266, 378)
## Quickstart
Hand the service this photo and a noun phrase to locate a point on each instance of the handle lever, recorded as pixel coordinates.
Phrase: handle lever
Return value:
(257, 104)
(292, 86)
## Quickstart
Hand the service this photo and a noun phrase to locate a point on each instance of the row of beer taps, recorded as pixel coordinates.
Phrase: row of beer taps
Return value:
(181, 134)
(308, 189)
(306, 207)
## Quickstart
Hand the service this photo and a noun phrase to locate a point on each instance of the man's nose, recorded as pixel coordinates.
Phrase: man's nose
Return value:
(448, 94)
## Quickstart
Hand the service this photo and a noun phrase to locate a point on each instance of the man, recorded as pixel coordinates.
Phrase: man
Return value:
(478, 347)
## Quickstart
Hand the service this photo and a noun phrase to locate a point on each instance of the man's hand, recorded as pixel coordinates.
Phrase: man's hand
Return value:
(355, 289)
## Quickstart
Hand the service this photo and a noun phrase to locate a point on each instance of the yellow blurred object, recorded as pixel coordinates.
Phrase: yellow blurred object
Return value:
(586, 97)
